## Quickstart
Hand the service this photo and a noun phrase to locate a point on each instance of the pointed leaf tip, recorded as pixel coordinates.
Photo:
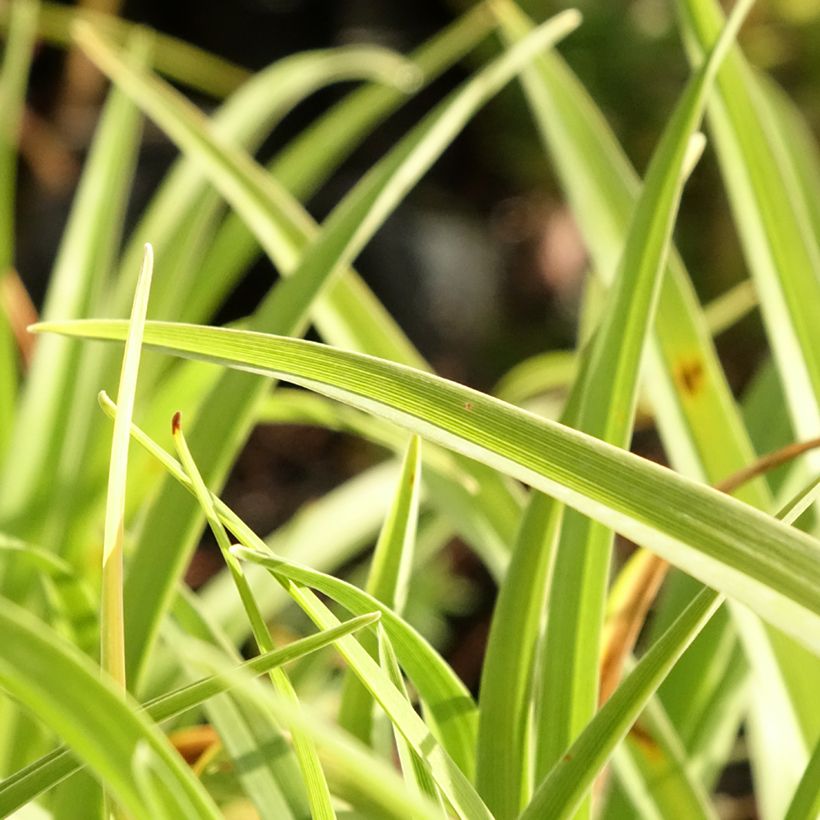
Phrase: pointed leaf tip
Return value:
(176, 422)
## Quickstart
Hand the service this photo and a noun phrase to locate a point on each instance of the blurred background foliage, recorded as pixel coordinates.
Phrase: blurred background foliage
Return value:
(482, 264)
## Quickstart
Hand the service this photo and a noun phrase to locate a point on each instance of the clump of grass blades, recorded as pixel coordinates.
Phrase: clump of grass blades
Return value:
(586, 704)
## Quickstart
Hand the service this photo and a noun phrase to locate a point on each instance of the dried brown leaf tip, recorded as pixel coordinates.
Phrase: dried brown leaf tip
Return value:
(176, 421)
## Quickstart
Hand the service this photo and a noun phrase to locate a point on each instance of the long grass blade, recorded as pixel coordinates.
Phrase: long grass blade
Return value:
(48, 771)
(173, 57)
(251, 192)
(112, 638)
(13, 78)
(562, 791)
(769, 567)
(315, 783)
(449, 778)
(387, 582)
(769, 209)
(450, 706)
(694, 409)
(61, 686)
(611, 365)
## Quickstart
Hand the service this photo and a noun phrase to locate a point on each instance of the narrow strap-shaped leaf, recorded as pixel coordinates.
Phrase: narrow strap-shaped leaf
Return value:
(745, 554)
(447, 775)
(173, 57)
(602, 404)
(805, 804)
(774, 227)
(23, 786)
(315, 783)
(413, 767)
(112, 634)
(774, 224)
(387, 582)
(285, 310)
(696, 415)
(450, 705)
(507, 674)
(63, 688)
(560, 793)
(274, 783)
(13, 79)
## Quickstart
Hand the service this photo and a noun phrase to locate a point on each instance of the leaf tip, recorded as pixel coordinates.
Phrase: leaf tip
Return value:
(176, 423)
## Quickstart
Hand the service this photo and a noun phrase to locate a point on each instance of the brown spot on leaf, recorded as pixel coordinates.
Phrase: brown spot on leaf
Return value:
(645, 740)
(689, 375)
(468, 406)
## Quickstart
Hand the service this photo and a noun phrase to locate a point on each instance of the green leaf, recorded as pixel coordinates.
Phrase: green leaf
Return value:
(13, 79)
(806, 801)
(64, 690)
(388, 580)
(449, 778)
(112, 647)
(260, 201)
(603, 404)
(315, 783)
(506, 676)
(693, 406)
(773, 569)
(449, 704)
(561, 792)
(173, 57)
(48, 771)
(774, 226)
(40, 460)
